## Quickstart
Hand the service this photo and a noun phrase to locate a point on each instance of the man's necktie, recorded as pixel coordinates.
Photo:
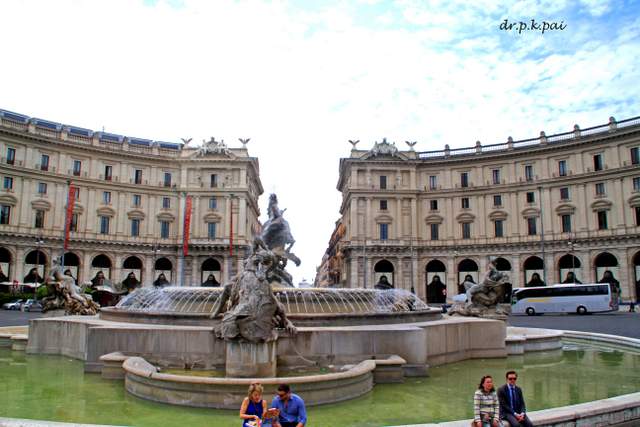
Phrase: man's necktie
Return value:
(512, 398)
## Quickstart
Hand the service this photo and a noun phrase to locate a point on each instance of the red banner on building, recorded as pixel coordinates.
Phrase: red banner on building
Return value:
(187, 226)
(71, 200)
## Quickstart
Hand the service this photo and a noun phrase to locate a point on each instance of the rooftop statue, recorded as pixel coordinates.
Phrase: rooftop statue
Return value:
(483, 299)
(64, 294)
(384, 148)
(214, 147)
(276, 236)
(252, 310)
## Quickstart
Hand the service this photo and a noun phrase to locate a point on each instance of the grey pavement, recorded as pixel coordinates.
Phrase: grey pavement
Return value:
(17, 318)
(620, 322)
(617, 323)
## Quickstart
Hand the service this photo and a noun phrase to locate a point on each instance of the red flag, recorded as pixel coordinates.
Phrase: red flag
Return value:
(71, 200)
(231, 227)
(187, 226)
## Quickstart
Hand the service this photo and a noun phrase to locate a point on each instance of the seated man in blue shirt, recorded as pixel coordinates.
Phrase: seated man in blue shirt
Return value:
(291, 406)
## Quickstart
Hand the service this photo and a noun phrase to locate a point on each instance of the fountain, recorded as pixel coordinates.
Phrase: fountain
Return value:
(338, 343)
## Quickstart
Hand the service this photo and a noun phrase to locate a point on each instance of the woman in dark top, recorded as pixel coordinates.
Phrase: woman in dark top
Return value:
(32, 277)
(436, 291)
(211, 281)
(160, 281)
(130, 283)
(571, 278)
(535, 281)
(607, 277)
(253, 407)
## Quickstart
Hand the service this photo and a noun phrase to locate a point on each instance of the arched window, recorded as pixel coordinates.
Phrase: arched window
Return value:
(132, 265)
(467, 267)
(101, 263)
(502, 264)
(210, 267)
(383, 268)
(606, 262)
(164, 266)
(71, 262)
(533, 268)
(36, 259)
(5, 262)
(569, 265)
(436, 282)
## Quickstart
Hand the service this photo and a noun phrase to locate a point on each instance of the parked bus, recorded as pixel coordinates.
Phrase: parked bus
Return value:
(569, 298)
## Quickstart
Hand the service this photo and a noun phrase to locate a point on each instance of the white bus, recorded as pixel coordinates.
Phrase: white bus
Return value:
(570, 298)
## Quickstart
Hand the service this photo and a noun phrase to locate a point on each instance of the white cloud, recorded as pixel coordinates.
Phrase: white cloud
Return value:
(300, 82)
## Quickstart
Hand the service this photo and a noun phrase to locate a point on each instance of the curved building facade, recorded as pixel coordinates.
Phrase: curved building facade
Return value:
(551, 205)
(131, 204)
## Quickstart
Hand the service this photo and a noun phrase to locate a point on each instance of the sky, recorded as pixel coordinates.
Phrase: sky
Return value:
(301, 78)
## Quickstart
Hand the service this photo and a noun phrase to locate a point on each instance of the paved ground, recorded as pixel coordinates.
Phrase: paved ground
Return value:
(617, 323)
(16, 318)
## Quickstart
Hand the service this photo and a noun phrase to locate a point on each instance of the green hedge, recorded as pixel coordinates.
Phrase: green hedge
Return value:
(9, 297)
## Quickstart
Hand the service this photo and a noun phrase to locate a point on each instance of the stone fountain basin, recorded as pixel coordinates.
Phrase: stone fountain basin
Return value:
(143, 380)
(116, 314)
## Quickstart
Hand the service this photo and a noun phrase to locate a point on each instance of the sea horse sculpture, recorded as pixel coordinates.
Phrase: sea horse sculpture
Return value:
(483, 299)
(64, 294)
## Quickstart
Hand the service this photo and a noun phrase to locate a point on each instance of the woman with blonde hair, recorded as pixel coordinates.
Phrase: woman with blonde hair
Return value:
(253, 407)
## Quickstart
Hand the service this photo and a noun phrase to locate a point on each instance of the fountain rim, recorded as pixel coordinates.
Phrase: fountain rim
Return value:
(146, 371)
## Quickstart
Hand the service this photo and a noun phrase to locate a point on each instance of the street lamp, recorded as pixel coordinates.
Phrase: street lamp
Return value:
(39, 243)
(155, 256)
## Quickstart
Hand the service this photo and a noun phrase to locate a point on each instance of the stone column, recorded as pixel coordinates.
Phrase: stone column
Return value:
(452, 277)
(195, 276)
(18, 264)
(398, 219)
(149, 271)
(353, 274)
(368, 221)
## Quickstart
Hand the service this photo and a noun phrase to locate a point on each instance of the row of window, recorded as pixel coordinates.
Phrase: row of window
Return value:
(108, 170)
(600, 190)
(529, 175)
(532, 226)
(105, 222)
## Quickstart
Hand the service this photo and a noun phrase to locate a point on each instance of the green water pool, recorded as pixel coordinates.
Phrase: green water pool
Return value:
(56, 388)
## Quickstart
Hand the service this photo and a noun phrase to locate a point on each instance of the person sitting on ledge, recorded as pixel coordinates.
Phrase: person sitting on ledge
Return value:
(512, 406)
(160, 281)
(253, 407)
(291, 407)
(571, 278)
(535, 281)
(485, 404)
(33, 277)
(383, 283)
(130, 283)
(211, 281)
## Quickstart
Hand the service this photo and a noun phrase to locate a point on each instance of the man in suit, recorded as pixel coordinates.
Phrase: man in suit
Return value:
(512, 406)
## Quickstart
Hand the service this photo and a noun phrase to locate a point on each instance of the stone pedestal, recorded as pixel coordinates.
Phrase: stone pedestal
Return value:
(251, 360)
